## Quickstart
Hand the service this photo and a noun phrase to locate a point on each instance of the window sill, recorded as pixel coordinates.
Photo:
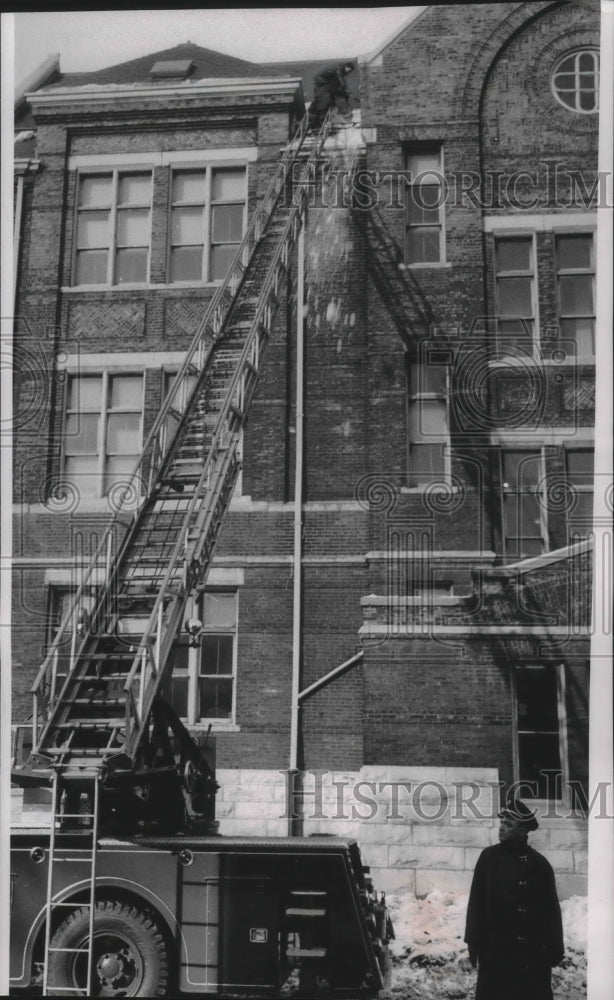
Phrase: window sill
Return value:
(443, 482)
(440, 265)
(149, 287)
(92, 505)
(217, 726)
(100, 505)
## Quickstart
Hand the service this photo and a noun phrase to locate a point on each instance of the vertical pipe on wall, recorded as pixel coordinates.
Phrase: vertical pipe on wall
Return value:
(601, 731)
(298, 510)
(17, 235)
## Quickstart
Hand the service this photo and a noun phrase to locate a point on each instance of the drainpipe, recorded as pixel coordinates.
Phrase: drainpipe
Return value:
(298, 526)
(17, 235)
(601, 730)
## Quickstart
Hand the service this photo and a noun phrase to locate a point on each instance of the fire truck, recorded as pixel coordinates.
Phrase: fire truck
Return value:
(196, 914)
(130, 891)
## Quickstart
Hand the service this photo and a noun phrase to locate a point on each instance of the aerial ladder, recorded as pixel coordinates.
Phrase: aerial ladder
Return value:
(113, 751)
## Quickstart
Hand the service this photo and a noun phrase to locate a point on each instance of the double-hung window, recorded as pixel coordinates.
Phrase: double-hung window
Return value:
(540, 727)
(523, 507)
(113, 228)
(575, 272)
(424, 206)
(515, 280)
(208, 209)
(102, 430)
(579, 472)
(428, 430)
(201, 687)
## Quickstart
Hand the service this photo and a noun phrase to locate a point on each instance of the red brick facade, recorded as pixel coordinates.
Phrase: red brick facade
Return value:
(478, 88)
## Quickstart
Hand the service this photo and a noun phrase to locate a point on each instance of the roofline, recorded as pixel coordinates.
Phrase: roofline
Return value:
(38, 77)
(302, 62)
(102, 92)
(413, 17)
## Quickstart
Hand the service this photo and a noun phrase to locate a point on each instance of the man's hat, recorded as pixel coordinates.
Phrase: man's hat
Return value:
(515, 809)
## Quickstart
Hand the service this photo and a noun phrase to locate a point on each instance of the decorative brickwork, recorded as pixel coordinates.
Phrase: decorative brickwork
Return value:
(182, 317)
(111, 323)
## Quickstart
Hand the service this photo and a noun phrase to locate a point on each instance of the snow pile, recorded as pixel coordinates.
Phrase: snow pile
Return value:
(428, 931)
(574, 913)
(569, 979)
(430, 959)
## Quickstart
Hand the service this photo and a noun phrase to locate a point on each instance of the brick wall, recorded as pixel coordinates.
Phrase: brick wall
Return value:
(536, 612)
(444, 704)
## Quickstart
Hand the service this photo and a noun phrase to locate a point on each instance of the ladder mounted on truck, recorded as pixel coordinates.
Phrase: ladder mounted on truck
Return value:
(86, 855)
(97, 704)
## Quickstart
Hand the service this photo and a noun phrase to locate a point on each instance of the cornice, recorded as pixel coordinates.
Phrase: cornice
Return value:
(101, 93)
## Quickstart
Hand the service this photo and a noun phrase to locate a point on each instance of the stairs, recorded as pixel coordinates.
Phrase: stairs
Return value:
(95, 691)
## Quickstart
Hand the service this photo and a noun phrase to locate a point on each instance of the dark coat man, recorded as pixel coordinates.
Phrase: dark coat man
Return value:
(330, 90)
(514, 931)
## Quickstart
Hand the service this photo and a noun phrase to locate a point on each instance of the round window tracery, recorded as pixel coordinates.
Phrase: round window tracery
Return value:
(575, 81)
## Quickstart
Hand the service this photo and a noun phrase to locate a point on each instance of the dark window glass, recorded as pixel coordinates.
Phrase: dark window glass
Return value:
(513, 255)
(217, 654)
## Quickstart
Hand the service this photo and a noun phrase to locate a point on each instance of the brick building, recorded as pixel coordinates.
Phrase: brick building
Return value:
(439, 610)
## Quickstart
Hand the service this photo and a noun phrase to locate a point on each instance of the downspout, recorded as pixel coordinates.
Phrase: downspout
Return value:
(601, 728)
(17, 236)
(297, 613)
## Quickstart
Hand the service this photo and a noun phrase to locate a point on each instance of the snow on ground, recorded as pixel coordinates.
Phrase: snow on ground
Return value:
(430, 956)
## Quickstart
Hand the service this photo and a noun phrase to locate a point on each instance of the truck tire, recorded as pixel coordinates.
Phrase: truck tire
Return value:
(130, 956)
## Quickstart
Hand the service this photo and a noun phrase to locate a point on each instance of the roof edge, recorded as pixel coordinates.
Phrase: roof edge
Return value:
(38, 77)
(97, 92)
(413, 17)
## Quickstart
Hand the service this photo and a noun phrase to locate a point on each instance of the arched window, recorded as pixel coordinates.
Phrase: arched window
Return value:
(575, 81)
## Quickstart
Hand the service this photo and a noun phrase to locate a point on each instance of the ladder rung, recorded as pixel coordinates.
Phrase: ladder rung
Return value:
(296, 912)
(82, 861)
(60, 816)
(73, 951)
(104, 676)
(90, 723)
(73, 903)
(90, 701)
(152, 560)
(68, 989)
(139, 595)
(112, 654)
(306, 952)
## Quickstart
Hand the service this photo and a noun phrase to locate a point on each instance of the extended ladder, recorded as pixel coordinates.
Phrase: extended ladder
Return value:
(95, 698)
(84, 853)
(94, 694)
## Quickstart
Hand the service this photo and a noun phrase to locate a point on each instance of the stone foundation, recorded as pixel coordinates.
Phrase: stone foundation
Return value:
(418, 828)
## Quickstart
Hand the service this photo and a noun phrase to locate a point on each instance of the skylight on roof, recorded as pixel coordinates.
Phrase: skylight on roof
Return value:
(165, 68)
